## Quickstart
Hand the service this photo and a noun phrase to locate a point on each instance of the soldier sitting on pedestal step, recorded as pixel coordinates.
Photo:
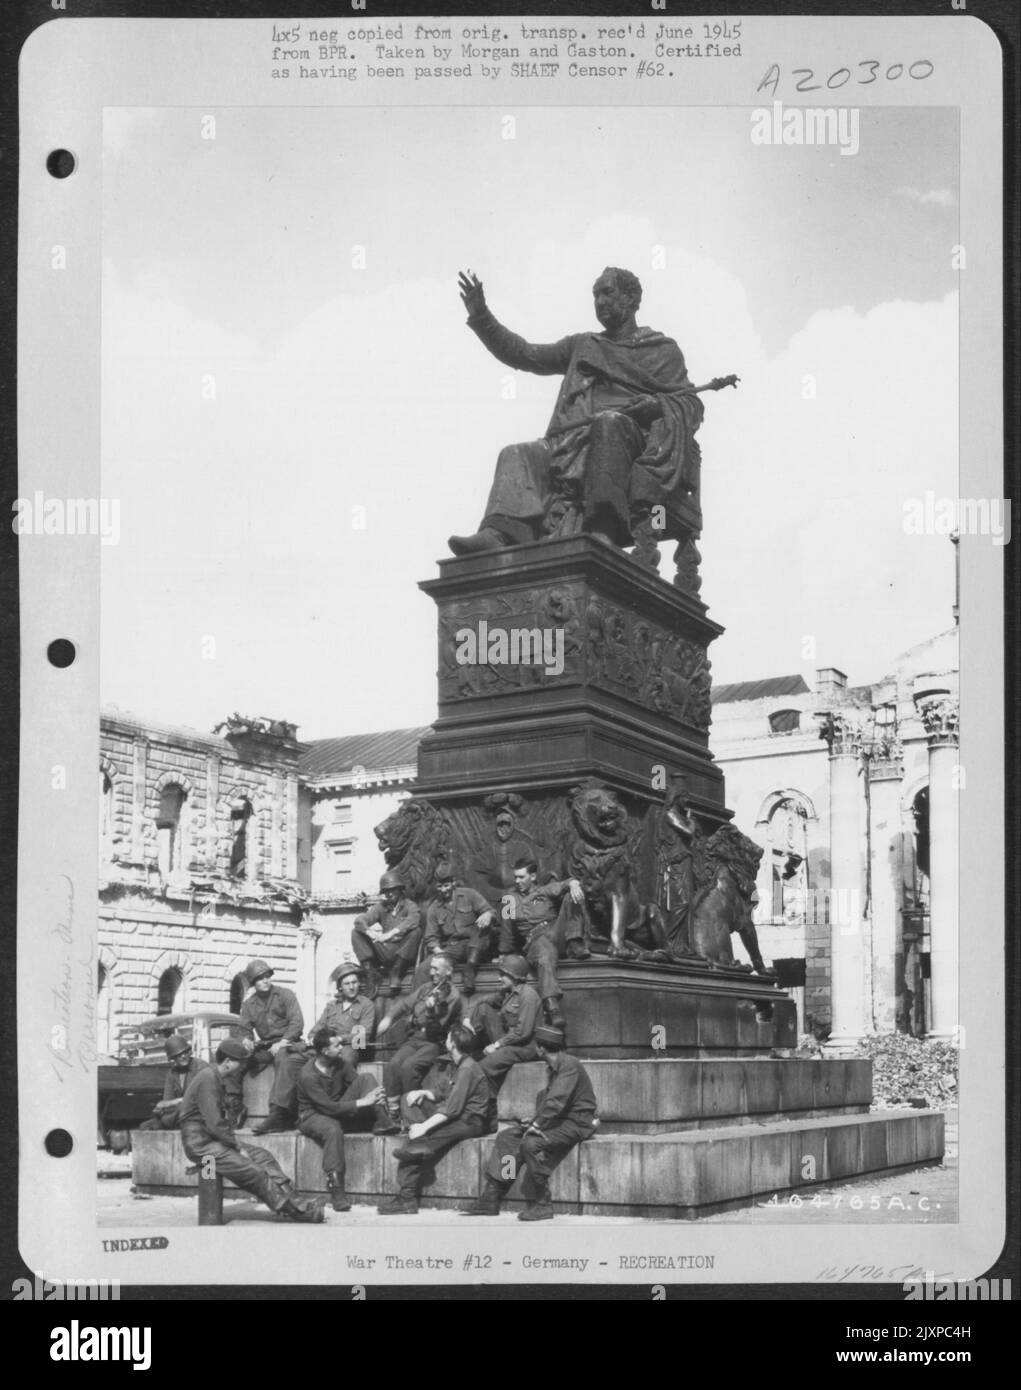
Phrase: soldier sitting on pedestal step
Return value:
(508, 1020)
(184, 1066)
(530, 925)
(387, 937)
(351, 1015)
(437, 1126)
(431, 1010)
(565, 1115)
(207, 1134)
(272, 1015)
(457, 924)
(333, 1097)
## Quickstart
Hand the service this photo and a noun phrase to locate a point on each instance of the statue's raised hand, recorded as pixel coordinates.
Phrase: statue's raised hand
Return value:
(472, 294)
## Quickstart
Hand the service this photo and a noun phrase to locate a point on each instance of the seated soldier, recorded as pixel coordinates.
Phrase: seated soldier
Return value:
(508, 1020)
(387, 937)
(530, 914)
(184, 1066)
(272, 1015)
(437, 1127)
(333, 1097)
(351, 1015)
(206, 1134)
(565, 1115)
(431, 1010)
(457, 924)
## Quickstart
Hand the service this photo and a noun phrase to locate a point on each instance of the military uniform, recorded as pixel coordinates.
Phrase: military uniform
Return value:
(509, 1020)
(327, 1106)
(206, 1133)
(452, 927)
(343, 1016)
(272, 1018)
(535, 923)
(431, 1010)
(400, 953)
(565, 1115)
(465, 1106)
(174, 1086)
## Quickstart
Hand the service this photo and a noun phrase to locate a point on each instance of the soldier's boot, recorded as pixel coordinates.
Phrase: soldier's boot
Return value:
(646, 539)
(339, 1199)
(307, 1213)
(539, 1210)
(487, 1203)
(468, 974)
(552, 1013)
(275, 1122)
(485, 539)
(388, 1117)
(404, 1204)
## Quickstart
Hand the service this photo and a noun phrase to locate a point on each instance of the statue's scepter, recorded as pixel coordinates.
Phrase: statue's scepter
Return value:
(717, 384)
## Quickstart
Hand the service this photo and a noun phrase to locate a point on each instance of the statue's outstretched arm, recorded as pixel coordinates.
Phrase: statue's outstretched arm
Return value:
(542, 359)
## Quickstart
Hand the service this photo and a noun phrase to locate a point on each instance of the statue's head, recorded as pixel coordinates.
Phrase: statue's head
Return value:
(617, 295)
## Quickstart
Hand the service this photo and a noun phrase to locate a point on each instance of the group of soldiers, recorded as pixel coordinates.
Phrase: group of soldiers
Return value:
(439, 1086)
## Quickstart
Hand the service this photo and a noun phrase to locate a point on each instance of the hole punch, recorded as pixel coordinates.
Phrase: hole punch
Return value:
(58, 1143)
(61, 652)
(61, 163)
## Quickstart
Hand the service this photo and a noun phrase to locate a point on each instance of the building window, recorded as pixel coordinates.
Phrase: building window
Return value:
(342, 813)
(785, 721)
(170, 829)
(342, 865)
(169, 991)
(238, 990)
(242, 855)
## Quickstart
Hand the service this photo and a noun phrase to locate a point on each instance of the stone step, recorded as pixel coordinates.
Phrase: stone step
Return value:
(662, 1175)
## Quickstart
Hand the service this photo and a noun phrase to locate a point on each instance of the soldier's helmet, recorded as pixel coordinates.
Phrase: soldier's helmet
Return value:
(256, 969)
(175, 1045)
(391, 879)
(344, 969)
(514, 966)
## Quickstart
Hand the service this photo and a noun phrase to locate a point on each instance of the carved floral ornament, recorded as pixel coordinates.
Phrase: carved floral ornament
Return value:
(843, 731)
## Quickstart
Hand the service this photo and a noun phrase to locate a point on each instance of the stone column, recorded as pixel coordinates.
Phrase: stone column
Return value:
(847, 942)
(305, 971)
(885, 773)
(940, 718)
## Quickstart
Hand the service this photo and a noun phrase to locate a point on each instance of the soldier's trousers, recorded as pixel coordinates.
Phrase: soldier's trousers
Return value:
(386, 955)
(328, 1132)
(409, 1064)
(248, 1166)
(538, 1154)
(418, 1157)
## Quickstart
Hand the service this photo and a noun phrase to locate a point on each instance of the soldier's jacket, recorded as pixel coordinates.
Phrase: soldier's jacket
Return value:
(539, 905)
(433, 1010)
(567, 1095)
(342, 1016)
(202, 1104)
(519, 1010)
(454, 920)
(405, 917)
(469, 1096)
(273, 1017)
(333, 1094)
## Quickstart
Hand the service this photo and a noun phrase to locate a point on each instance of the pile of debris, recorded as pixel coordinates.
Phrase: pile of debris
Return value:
(906, 1071)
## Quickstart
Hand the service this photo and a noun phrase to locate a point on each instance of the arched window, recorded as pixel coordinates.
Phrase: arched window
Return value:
(169, 991)
(920, 812)
(104, 1042)
(238, 990)
(170, 828)
(785, 721)
(242, 855)
(106, 816)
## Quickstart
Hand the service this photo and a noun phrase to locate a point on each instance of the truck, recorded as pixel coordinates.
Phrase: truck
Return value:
(130, 1086)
